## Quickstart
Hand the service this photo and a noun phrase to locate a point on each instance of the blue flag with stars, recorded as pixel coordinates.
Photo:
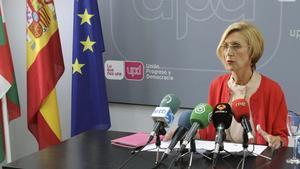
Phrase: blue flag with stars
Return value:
(89, 98)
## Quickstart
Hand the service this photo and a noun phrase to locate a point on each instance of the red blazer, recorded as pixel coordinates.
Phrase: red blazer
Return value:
(267, 105)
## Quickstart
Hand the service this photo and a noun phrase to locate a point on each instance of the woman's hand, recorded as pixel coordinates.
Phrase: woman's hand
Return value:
(168, 136)
(274, 142)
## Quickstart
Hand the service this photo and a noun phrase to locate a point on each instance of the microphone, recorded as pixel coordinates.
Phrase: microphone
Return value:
(163, 115)
(242, 115)
(183, 126)
(221, 117)
(200, 119)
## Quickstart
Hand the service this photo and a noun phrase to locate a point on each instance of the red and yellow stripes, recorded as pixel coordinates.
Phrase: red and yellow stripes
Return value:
(44, 68)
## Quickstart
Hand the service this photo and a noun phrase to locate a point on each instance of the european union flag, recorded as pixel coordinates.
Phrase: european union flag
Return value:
(89, 98)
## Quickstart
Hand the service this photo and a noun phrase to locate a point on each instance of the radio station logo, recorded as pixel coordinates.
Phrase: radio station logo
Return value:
(221, 106)
(200, 108)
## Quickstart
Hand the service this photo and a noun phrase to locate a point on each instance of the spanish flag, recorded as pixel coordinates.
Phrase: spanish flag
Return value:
(44, 68)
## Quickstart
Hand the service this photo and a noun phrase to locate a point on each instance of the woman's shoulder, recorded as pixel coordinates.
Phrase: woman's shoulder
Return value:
(266, 81)
(268, 84)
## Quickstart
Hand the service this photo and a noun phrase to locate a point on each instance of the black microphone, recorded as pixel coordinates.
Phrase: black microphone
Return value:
(221, 117)
(183, 126)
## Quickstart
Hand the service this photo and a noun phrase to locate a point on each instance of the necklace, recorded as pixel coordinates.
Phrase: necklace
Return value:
(243, 83)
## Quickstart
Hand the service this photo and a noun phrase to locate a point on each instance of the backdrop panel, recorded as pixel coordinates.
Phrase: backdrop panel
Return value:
(168, 46)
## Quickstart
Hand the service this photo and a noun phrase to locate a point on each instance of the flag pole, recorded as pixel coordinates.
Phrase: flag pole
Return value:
(6, 130)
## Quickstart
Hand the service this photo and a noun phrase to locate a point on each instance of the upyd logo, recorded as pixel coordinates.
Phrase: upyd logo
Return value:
(116, 70)
(134, 70)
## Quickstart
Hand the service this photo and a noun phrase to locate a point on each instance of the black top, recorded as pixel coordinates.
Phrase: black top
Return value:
(93, 149)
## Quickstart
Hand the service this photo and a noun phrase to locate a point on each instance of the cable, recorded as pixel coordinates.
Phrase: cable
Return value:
(132, 156)
(178, 154)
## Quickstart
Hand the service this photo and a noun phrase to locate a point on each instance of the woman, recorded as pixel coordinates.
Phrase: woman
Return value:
(240, 48)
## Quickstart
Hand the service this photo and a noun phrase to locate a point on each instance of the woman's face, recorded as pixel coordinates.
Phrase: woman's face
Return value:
(235, 52)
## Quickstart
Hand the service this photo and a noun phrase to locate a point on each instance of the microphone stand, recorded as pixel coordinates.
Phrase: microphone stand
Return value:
(216, 155)
(135, 152)
(180, 154)
(191, 151)
(157, 143)
(160, 132)
(220, 147)
(245, 149)
(246, 152)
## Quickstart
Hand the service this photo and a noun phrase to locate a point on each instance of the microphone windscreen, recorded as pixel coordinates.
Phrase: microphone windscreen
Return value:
(172, 101)
(201, 114)
(240, 109)
(222, 114)
(184, 120)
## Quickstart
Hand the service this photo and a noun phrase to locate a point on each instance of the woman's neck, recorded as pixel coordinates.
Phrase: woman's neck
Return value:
(242, 77)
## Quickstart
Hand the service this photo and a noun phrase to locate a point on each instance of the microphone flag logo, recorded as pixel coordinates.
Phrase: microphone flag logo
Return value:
(200, 109)
(221, 106)
(169, 117)
(167, 99)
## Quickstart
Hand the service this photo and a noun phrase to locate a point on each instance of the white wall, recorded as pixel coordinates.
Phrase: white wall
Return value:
(123, 117)
(134, 118)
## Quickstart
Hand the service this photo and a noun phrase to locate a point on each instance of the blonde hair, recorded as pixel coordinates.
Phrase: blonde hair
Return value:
(252, 35)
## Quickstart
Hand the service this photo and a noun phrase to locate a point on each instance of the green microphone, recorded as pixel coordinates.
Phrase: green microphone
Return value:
(172, 101)
(200, 118)
(202, 115)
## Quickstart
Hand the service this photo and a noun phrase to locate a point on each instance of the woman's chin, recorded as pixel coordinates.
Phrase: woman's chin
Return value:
(229, 68)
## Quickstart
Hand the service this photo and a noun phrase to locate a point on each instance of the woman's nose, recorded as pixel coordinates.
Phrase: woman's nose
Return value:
(229, 52)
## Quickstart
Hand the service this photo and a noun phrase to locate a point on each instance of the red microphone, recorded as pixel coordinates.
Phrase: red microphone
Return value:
(242, 115)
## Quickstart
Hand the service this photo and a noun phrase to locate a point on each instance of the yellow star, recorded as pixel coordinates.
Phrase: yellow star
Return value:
(77, 66)
(85, 17)
(88, 44)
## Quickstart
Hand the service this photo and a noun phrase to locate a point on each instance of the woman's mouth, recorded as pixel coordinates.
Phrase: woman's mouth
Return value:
(229, 61)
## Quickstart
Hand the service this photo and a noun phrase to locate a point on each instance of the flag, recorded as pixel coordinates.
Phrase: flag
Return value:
(89, 98)
(44, 68)
(8, 85)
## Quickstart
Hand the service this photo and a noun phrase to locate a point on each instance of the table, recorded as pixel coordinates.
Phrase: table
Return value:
(92, 149)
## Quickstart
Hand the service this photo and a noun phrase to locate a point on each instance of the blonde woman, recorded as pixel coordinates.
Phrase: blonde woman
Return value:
(240, 48)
